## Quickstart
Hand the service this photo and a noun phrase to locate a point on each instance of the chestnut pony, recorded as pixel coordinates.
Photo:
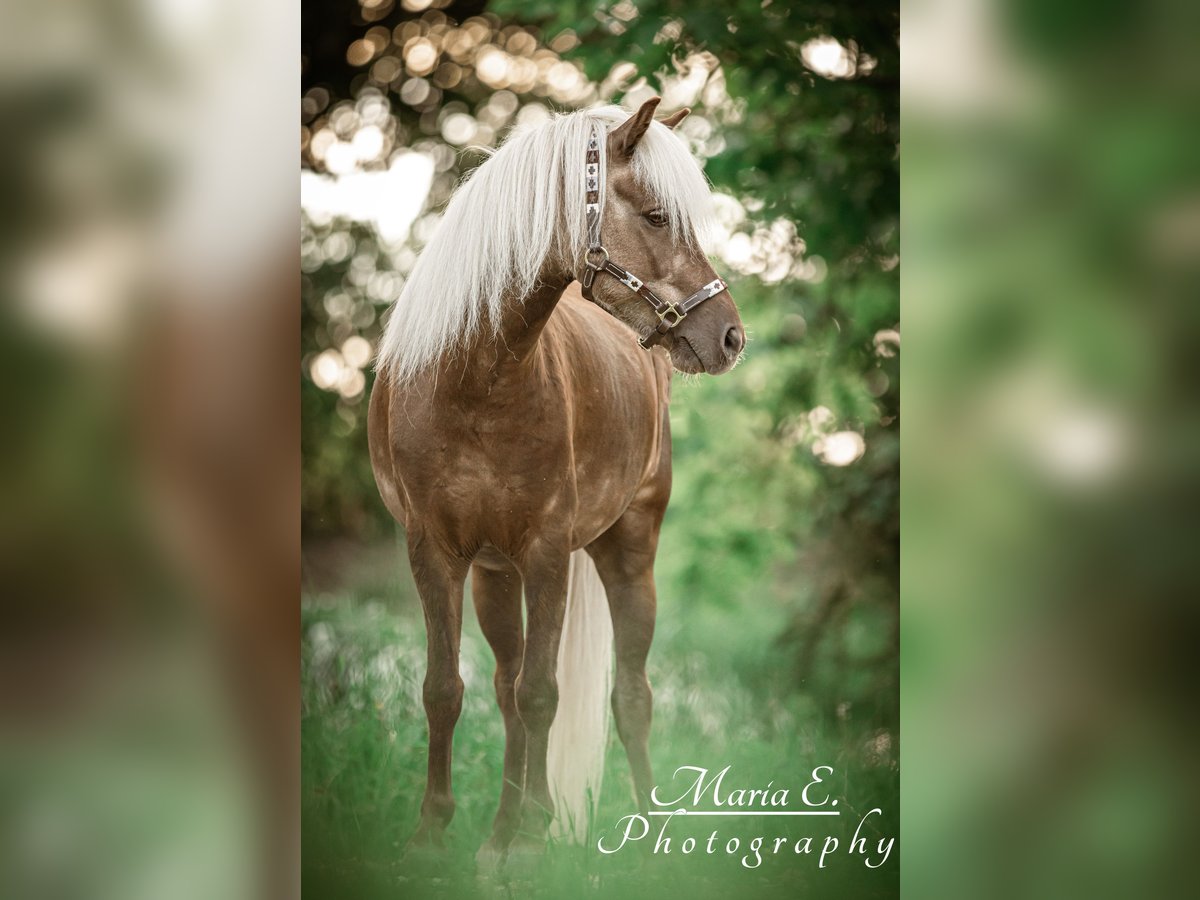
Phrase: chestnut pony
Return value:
(520, 434)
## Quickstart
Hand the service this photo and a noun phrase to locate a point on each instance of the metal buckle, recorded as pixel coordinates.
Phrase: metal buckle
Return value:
(592, 268)
(675, 311)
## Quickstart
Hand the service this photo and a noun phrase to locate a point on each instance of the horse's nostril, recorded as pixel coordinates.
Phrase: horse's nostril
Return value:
(734, 340)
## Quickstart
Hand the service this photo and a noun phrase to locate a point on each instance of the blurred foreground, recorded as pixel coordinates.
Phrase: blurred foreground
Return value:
(1049, 596)
(149, 511)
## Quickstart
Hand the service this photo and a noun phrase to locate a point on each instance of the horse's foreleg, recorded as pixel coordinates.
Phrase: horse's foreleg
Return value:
(498, 605)
(624, 558)
(439, 579)
(633, 606)
(545, 574)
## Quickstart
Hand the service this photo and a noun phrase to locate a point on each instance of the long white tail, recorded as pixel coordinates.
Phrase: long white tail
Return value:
(579, 735)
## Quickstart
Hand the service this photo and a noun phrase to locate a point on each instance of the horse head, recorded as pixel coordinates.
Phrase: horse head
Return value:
(648, 234)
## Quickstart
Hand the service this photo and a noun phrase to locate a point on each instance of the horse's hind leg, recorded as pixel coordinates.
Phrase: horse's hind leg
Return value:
(439, 579)
(544, 568)
(624, 557)
(497, 594)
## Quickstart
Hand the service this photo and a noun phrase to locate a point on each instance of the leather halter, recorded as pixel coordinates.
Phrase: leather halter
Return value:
(597, 260)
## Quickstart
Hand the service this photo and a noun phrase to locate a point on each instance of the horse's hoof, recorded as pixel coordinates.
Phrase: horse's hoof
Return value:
(523, 859)
(524, 856)
(490, 858)
(424, 851)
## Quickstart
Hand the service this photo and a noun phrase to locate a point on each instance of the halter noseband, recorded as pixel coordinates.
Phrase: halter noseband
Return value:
(597, 261)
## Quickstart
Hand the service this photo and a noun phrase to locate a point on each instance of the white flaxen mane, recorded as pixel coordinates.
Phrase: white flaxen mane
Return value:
(501, 225)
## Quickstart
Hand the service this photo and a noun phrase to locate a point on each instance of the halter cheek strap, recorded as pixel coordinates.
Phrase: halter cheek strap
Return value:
(597, 260)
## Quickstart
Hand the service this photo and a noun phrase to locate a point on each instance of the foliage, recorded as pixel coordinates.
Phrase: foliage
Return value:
(820, 151)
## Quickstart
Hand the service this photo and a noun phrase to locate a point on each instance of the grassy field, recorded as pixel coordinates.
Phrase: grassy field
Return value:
(724, 695)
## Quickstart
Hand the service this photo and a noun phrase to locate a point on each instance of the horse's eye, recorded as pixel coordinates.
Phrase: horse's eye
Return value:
(657, 218)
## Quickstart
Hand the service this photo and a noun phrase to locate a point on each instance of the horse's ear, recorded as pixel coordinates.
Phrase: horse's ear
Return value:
(626, 136)
(675, 118)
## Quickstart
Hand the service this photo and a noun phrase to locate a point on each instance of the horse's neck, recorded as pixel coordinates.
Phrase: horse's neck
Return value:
(508, 352)
(524, 318)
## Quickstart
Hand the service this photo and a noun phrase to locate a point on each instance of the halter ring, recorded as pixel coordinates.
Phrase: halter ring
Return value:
(675, 311)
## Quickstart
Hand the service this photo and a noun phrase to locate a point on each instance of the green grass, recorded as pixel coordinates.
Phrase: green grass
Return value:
(724, 695)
